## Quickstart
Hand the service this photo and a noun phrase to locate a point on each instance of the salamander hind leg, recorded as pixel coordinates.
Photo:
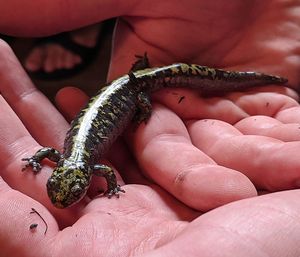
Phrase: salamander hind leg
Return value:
(35, 161)
(141, 63)
(112, 186)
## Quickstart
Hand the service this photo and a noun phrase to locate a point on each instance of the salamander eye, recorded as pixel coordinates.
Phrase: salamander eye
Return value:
(76, 190)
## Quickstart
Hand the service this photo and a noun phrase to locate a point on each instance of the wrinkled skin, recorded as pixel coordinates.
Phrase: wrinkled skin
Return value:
(199, 156)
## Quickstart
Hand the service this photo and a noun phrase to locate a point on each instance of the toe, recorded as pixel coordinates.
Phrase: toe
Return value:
(35, 59)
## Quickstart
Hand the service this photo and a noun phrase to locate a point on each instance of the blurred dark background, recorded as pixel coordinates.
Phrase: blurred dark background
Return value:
(89, 79)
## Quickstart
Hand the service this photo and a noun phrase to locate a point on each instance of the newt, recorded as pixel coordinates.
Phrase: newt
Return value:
(109, 112)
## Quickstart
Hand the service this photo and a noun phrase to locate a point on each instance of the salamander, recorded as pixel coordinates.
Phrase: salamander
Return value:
(107, 114)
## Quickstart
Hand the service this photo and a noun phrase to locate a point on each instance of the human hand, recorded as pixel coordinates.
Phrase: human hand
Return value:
(255, 35)
(27, 119)
(246, 138)
(185, 48)
(262, 37)
(144, 219)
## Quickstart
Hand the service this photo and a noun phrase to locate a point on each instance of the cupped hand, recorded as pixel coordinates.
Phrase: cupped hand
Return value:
(146, 221)
(219, 148)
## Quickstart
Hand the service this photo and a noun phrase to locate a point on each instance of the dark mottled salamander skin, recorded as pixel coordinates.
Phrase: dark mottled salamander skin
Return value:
(108, 113)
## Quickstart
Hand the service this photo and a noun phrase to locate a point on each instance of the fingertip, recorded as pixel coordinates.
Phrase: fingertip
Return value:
(70, 100)
(207, 187)
(5, 49)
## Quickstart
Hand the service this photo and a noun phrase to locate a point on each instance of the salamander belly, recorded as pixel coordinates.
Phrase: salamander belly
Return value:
(100, 123)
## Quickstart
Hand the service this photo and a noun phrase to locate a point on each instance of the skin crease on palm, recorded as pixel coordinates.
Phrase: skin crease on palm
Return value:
(192, 173)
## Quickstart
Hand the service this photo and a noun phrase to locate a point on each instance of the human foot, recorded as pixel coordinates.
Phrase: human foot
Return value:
(57, 56)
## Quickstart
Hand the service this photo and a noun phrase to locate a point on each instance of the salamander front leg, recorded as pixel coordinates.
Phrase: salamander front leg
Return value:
(35, 160)
(144, 109)
(107, 172)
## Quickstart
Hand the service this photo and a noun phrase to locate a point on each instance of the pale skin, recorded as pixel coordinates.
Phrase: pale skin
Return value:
(52, 56)
(199, 156)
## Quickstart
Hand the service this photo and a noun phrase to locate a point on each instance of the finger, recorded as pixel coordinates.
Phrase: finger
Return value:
(166, 154)
(125, 162)
(289, 115)
(270, 127)
(257, 227)
(69, 101)
(189, 104)
(231, 108)
(32, 107)
(278, 89)
(12, 131)
(269, 163)
(263, 103)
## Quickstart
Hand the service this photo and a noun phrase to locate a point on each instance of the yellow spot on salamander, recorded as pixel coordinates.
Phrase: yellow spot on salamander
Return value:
(185, 68)
(78, 173)
(203, 71)
(174, 70)
(212, 73)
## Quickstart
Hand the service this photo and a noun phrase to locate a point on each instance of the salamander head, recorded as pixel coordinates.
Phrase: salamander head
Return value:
(67, 185)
